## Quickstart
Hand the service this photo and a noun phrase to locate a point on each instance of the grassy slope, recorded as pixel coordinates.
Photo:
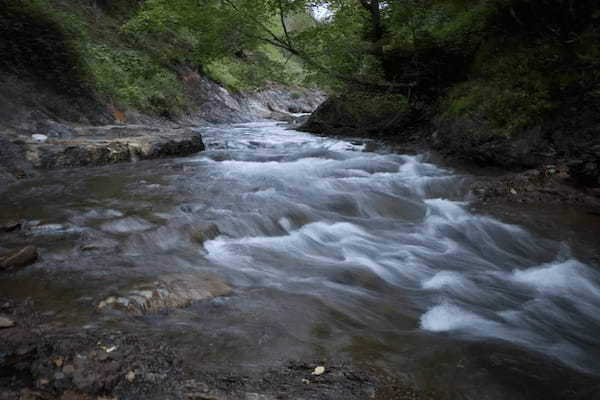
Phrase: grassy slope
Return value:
(72, 59)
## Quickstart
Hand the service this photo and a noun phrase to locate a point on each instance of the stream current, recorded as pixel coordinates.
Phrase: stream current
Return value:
(333, 252)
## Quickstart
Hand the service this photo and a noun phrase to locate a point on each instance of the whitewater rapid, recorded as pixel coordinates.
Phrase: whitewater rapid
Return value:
(333, 251)
(318, 206)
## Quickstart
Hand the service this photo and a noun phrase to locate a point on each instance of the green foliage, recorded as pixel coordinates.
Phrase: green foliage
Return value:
(255, 70)
(133, 78)
(503, 103)
(508, 62)
(341, 46)
(513, 89)
(128, 51)
(368, 110)
(36, 44)
(225, 42)
(519, 77)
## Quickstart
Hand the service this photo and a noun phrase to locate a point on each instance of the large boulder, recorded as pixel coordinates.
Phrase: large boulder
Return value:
(113, 144)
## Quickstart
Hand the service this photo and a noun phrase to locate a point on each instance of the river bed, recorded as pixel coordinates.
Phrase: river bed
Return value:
(333, 252)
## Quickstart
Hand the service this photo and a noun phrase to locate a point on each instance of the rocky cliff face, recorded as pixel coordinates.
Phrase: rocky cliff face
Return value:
(215, 104)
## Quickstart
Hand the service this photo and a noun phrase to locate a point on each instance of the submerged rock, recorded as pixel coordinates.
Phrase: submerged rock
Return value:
(174, 291)
(19, 258)
(204, 233)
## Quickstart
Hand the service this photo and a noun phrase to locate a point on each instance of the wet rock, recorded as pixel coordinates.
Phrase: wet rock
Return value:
(281, 116)
(85, 380)
(43, 382)
(103, 245)
(6, 323)
(53, 129)
(52, 230)
(320, 370)
(110, 145)
(126, 225)
(206, 232)
(10, 226)
(130, 376)
(71, 395)
(175, 291)
(13, 164)
(68, 369)
(39, 138)
(258, 396)
(19, 258)
(27, 394)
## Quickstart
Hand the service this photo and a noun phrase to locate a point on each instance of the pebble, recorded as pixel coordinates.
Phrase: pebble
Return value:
(319, 370)
(39, 138)
(6, 323)
(69, 369)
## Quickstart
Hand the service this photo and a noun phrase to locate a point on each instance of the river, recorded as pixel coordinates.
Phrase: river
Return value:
(334, 251)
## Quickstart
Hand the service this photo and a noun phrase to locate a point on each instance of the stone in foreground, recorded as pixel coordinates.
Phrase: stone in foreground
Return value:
(168, 292)
(6, 323)
(19, 258)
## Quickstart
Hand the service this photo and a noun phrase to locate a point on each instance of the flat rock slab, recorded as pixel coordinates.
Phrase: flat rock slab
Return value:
(168, 292)
(19, 258)
(113, 144)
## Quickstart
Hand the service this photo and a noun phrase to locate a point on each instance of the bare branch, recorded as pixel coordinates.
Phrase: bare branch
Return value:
(283, 24)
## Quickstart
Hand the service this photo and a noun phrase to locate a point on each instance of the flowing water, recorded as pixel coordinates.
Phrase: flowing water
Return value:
(333, 252)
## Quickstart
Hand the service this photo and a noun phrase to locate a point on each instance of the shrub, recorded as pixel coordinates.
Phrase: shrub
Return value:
(35, 45)
(132, 78)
